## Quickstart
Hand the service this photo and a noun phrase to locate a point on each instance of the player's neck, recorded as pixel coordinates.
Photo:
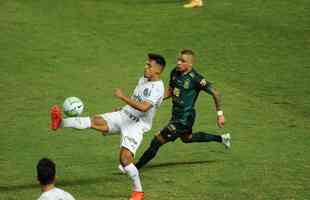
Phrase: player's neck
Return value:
(46, 188)
(187, 71)
(154, 78)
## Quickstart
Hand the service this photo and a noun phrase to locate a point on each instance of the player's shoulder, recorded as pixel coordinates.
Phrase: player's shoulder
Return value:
(195, 74)
(199, 78)
(157, 85)
(43, 197)
(69, 196)
(174, 71)
(141, 80)
(47, 195)
(66, 195)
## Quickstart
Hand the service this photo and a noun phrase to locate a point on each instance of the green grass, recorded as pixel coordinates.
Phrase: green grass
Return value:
(255, 52)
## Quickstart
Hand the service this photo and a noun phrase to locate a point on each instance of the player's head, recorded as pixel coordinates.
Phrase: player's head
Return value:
(154, 65)
(185, 60)
(46, 170)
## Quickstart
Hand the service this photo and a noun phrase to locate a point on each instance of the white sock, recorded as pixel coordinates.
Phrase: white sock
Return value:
(121, 169)
(133, 173)
(77, 122)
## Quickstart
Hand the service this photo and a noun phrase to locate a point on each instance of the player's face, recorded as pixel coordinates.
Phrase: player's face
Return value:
(151, 68)
(184, 62)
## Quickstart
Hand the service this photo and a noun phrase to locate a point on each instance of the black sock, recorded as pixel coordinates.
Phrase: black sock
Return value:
(205, 137)
(149, 154)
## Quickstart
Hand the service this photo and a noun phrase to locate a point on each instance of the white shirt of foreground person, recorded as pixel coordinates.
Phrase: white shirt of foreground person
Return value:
(56, 194)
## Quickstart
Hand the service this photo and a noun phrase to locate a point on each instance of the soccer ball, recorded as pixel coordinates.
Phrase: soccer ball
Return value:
(73, 107)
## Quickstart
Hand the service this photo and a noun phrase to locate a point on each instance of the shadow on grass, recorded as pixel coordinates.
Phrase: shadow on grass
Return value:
(173, 164)
(101, 180)
(61, 183)
(25, 186)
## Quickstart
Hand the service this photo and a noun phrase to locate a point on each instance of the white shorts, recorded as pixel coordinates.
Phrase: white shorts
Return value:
(131, 130)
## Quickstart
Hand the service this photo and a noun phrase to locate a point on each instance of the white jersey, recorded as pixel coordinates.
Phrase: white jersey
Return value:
(56, 194)
(150, 91)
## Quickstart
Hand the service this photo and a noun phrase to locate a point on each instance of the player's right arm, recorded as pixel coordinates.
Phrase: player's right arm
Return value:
(141, 106)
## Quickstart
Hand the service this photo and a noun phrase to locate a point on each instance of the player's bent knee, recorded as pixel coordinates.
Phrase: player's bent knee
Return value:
(186, 141)
(166, 135)
(186, 138)
(126, 157)
(159, 137)
(98, 123)
(97, 120)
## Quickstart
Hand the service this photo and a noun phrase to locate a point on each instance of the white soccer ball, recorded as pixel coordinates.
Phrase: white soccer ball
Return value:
(73, 106)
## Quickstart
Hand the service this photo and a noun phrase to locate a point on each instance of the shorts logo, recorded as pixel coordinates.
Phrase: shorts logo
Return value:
(131, 140)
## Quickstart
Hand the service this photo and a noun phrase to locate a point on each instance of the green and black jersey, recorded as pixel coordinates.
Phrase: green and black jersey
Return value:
(185, 89)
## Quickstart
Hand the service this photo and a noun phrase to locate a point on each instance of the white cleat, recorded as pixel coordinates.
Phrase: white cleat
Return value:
(194, 4)
(226, 140)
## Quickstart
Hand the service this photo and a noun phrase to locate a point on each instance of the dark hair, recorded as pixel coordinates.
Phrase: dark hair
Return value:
(188, 52)
(46, 170)
(158, 59)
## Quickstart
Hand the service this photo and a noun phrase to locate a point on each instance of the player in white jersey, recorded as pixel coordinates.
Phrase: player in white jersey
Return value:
(46, 173)
(131, 121)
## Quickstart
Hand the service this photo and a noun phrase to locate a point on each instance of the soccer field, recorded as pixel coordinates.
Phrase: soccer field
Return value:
(257, 54)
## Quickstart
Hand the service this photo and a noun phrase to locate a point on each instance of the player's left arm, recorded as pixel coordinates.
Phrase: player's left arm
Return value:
(141, 106)
(207, 87)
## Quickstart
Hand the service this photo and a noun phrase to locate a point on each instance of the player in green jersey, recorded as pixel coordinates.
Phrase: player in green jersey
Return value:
(184, 87)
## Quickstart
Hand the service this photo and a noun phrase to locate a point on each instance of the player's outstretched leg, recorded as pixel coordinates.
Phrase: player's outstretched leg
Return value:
(71, 122)
(150, 153)
(56, 117)
(77, 122)
(207, 137)
(97, 122)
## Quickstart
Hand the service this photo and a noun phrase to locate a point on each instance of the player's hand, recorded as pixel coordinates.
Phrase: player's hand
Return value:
(118, 93)
(221, 121)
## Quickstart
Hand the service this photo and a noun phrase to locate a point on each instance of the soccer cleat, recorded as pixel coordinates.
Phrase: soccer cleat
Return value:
(194, 4)
(56, 117)
(226, 140)
(136, 195)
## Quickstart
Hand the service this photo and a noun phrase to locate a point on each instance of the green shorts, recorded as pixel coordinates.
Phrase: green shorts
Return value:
(176, 127)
